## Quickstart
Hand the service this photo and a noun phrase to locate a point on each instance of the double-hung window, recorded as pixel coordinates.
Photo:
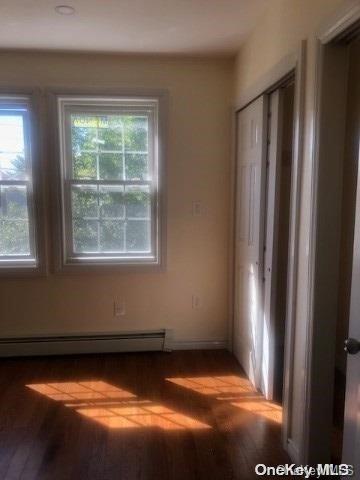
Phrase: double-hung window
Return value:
(17, 220)
(109, 180)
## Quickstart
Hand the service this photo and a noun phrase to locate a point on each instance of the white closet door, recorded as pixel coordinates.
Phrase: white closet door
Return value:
(251, 176)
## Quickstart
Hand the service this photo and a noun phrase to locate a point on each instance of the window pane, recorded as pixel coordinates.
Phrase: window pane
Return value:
(136, 166)
(138, 202)
(112, 202)
(98, 146)
(12, 166)
(85, 201)
(138, 236)
(14, 202)
(112, 236)
(14, 231)
(83, 132)
(12, 151)
(111, 166)
(110, 138)
(14, 237)
(85, 165)
(136, 133)
(85, 236)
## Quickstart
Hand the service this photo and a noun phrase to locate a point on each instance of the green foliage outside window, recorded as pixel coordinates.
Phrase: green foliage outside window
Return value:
(14, 224)
(110, 218)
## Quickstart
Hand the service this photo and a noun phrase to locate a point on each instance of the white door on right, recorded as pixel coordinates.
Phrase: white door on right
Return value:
(351, 445)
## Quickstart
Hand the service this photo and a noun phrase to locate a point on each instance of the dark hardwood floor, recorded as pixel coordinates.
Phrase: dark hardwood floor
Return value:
(179, 416)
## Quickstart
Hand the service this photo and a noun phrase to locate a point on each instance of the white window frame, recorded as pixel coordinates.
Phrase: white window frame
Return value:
(152, 106)
(33, 263)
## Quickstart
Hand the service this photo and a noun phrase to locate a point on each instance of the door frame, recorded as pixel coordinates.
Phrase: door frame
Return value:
(291, 65)
(324, 242)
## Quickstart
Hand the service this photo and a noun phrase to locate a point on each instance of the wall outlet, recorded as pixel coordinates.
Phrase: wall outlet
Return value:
(119, 308)
(196, 302)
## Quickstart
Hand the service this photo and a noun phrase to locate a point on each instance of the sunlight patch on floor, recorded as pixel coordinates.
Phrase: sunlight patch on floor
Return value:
(114, 407)
(268, 410)
(218, 387)
(233, 389)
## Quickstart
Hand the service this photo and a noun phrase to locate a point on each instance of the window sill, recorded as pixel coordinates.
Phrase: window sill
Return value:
(110, 267)
(22, 270)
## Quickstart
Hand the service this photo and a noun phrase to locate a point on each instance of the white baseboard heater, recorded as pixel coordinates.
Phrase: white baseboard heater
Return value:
(85, 343)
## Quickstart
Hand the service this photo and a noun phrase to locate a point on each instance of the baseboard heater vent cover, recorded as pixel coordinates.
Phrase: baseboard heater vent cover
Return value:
(78, 344)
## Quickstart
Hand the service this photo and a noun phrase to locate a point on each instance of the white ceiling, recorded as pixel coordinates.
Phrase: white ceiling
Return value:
(130, 26)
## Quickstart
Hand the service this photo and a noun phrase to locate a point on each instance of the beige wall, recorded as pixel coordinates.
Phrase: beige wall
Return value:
(198, 169)
(277, 35)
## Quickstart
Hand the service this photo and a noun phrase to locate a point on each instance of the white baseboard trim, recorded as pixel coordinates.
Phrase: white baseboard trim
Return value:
(141, 341)
(199, 345)
(83, 344)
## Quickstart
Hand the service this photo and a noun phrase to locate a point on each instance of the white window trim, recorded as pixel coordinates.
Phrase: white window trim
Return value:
(34, 263)
(92, 263)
